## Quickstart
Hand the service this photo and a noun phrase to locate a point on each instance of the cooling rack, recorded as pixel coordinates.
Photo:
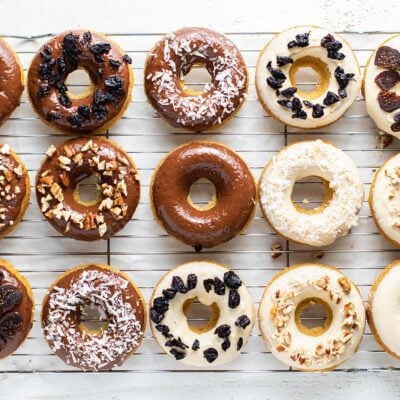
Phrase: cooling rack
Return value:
(145, 252)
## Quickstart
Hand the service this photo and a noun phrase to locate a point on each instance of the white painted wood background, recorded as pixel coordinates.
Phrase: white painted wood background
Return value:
(145, 252)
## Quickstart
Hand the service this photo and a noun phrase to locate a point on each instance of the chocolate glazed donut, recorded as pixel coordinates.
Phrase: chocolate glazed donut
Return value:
(11, 80)
(225, 216)
(108, 69)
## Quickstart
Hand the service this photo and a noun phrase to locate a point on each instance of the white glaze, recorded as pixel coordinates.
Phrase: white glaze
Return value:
(278, 47)
(176, 320)
(301, 350)
(383, 119)
(311, 158)
(384, 306)
(385, 198)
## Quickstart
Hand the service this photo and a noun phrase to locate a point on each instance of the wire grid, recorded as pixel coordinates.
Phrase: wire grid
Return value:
(145, 252)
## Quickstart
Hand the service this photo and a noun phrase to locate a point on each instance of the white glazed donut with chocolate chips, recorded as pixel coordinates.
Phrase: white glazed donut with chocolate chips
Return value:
(328, 55)
(212, 285)
(380, 79)
(311, 348)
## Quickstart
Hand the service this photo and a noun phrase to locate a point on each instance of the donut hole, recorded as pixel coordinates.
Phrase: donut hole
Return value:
(200, 317)
(310, 76)
(311, 194)
(79, 84)
(197, 80)
(202, 195)
(87, 191)
(313, 316)
(93, 319)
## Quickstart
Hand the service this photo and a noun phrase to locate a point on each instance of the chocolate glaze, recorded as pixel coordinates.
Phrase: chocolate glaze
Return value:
(173, 57)
(108, 151)
(130, 295)
(235, 194)
(24, 308)
(99, 67)
(11, 81)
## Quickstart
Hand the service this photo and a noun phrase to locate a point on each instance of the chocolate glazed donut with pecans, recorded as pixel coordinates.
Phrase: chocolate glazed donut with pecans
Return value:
(57, 184)
(108, 69)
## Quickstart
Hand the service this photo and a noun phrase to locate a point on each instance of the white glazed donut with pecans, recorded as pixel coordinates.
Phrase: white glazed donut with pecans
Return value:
(221, 339)
(311, 348)
(329, 55)
(118, 188)
(339, 211)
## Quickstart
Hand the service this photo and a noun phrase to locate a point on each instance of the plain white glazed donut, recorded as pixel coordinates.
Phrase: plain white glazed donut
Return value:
(384, 199)
(382, 63)
(300, 160)
(210, 284)
(279, 322)
(338, 65)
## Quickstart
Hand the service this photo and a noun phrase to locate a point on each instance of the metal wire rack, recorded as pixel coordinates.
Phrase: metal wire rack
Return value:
(145, 252)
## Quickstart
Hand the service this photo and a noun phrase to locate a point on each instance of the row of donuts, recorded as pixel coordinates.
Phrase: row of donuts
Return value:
(172, 58)
(123, 314)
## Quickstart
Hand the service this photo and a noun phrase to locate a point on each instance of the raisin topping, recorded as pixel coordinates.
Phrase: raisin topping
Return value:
(156, 316)
(317, 109)
(225, 344)
(53, 115)
(114, 85)
(210, 354)
(1, 275)
(274, 83)
(332, 46)
(281, 61)
(9, 325)
(302, 40)
(114, 64)
(61, 87)
(223, 331)
(196, 345)
(331, 98)
(219, 286)
(10, 296)
(387, 79)
(64, 100)
(75, 120)
(127, 59)
(208, 284)
(191, 281)
(343, 80)
(84, 112)
(100, 97)
(178, 285)
(234, 299)
(44, 90)
(239, 344)
(87, 38)
(179, 355)
(289, 92)
(232, 280)
(99, 112)
(388, 101)
(164, 330)
(98, 49)
(176, 343)
(61, 65)
(70, 49)
(387, 57)
(395, 127)
(45, 54)
(276, 73)
(243, 321)
(300, 114)
(169, 294)
(161, 304)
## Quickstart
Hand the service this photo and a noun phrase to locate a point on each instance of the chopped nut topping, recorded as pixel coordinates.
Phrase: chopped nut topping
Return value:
(5, 149)
(102, 229)
(345, 284)
(50, 151)
(276, 250)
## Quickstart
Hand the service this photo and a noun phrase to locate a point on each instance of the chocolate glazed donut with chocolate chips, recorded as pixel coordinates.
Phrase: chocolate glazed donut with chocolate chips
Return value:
(109, 71)
(224, 216)
(16, 309)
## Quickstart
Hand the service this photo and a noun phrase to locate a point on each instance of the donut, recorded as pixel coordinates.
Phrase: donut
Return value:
(109, 71)
(380, 78)
(328, 55)
(289, 294)
(227, 214)
(170, 61)
(119, 303)
(57, 188)
(11, 80)
(337, 214)
(220, 339)
(17, 306)
(384, 199)
(382, 309)
(14, 190)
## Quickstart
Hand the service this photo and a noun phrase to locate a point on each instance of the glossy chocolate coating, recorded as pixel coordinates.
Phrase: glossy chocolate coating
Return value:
(24, 308)
(235, 194)
(68, 181)
(99, 70)
(130, 295)
(180, 107)
(11, 81)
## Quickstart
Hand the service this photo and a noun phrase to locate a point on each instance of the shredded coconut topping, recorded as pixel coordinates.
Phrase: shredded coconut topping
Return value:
(105, 291)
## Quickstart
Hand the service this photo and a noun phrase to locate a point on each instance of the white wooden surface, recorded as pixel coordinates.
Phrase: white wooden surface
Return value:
(142, 248)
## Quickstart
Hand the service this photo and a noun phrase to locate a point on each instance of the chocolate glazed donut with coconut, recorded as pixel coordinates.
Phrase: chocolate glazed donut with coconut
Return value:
(109, 71)
(170, 61)
(329, 55)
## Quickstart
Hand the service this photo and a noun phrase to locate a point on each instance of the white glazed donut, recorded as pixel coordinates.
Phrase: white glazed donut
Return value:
(384, 199)
(319, 348)
(383, 309)
(329, 55)
(228, 330)
(380, 78)
(335, 217)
